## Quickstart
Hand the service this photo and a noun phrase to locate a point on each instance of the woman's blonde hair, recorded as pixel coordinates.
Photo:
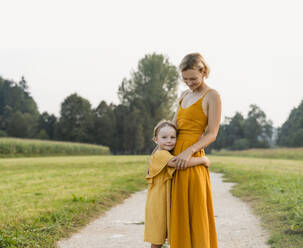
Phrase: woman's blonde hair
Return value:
(194, 61)
(162, 124)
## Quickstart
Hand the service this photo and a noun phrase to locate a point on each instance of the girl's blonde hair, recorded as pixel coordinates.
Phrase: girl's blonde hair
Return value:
(194, 61)
(162, 124)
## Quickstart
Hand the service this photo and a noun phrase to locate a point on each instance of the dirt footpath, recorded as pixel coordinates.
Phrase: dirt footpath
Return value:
(122, 226)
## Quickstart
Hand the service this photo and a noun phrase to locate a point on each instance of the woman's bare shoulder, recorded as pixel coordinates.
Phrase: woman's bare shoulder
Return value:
(213, 95)
(212, 99)
(184, 93)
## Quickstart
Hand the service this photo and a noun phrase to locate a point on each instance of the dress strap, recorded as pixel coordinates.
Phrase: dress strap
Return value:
(181, 98)
(201, 98)
(205, 94)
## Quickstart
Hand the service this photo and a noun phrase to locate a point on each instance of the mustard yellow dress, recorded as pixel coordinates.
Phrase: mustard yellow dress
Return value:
(157, 206)
(192, 216)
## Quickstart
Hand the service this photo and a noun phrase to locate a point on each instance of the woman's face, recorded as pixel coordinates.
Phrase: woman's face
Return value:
(192, 78)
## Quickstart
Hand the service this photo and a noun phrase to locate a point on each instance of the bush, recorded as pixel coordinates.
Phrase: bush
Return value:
(42, 135)
(240, 144)
(3, 134)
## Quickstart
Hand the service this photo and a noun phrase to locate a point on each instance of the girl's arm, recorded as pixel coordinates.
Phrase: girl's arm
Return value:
(194, 161)
(214, 117)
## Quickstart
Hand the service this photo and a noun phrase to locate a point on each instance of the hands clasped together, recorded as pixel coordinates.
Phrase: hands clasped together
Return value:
(183, 160)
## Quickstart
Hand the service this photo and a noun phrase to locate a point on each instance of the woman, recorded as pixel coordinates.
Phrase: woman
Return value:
(192, 217)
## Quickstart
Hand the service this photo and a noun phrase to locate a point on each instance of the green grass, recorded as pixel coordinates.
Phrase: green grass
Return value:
(14, 147)
(45, 199)
(276, 153)
(274, 189)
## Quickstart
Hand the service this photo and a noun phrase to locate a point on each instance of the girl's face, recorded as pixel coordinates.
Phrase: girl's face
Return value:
(166, 138)
(192, 78)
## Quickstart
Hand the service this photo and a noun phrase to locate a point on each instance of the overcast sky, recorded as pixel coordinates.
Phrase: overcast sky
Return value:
(254, 48)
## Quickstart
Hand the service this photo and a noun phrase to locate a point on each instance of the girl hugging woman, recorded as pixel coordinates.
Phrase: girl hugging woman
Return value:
(161, 169)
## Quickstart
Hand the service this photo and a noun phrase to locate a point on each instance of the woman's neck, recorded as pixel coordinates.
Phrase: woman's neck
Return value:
(200, 89)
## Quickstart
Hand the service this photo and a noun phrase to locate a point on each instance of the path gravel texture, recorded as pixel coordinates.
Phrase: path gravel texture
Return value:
(123, 225)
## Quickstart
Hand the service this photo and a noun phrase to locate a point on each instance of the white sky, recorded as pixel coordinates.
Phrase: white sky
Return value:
(254, 48)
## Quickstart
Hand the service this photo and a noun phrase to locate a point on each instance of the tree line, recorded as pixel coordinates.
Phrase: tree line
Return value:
(239, 133)
(147, 96)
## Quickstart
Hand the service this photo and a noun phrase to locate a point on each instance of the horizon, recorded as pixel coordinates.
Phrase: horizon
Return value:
(92, 46)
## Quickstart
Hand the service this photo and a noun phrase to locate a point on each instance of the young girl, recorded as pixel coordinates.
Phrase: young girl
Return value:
(160, 172)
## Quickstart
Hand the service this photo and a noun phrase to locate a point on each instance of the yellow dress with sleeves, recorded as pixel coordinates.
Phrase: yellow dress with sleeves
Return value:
(192, 215)
(157, 206)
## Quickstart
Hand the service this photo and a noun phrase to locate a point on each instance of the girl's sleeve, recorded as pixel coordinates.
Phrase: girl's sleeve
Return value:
(158, 162)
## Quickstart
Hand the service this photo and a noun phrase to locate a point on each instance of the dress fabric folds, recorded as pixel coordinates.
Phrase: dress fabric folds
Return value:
(192, 223)
(157, 206)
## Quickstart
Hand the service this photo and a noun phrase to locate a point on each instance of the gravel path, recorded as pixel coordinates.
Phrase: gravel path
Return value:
(122, 226)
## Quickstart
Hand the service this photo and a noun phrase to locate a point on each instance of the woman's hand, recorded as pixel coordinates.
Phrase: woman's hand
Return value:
(182, 159)
(207, 162)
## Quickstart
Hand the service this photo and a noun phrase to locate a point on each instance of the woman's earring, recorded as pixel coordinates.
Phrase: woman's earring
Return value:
(202, 72)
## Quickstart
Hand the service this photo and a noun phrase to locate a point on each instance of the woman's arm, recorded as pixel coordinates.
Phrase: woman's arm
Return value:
(194, 161)
(214, 117)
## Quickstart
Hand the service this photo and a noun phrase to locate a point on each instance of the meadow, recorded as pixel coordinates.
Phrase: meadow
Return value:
(273, 188)
(16, 147)
(276, 153)
(45, 199)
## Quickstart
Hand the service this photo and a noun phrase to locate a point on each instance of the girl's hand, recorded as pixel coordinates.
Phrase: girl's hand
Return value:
(182, 159)
(170, 163)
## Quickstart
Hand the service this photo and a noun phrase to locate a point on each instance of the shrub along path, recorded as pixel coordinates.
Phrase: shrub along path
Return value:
(123, 225)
